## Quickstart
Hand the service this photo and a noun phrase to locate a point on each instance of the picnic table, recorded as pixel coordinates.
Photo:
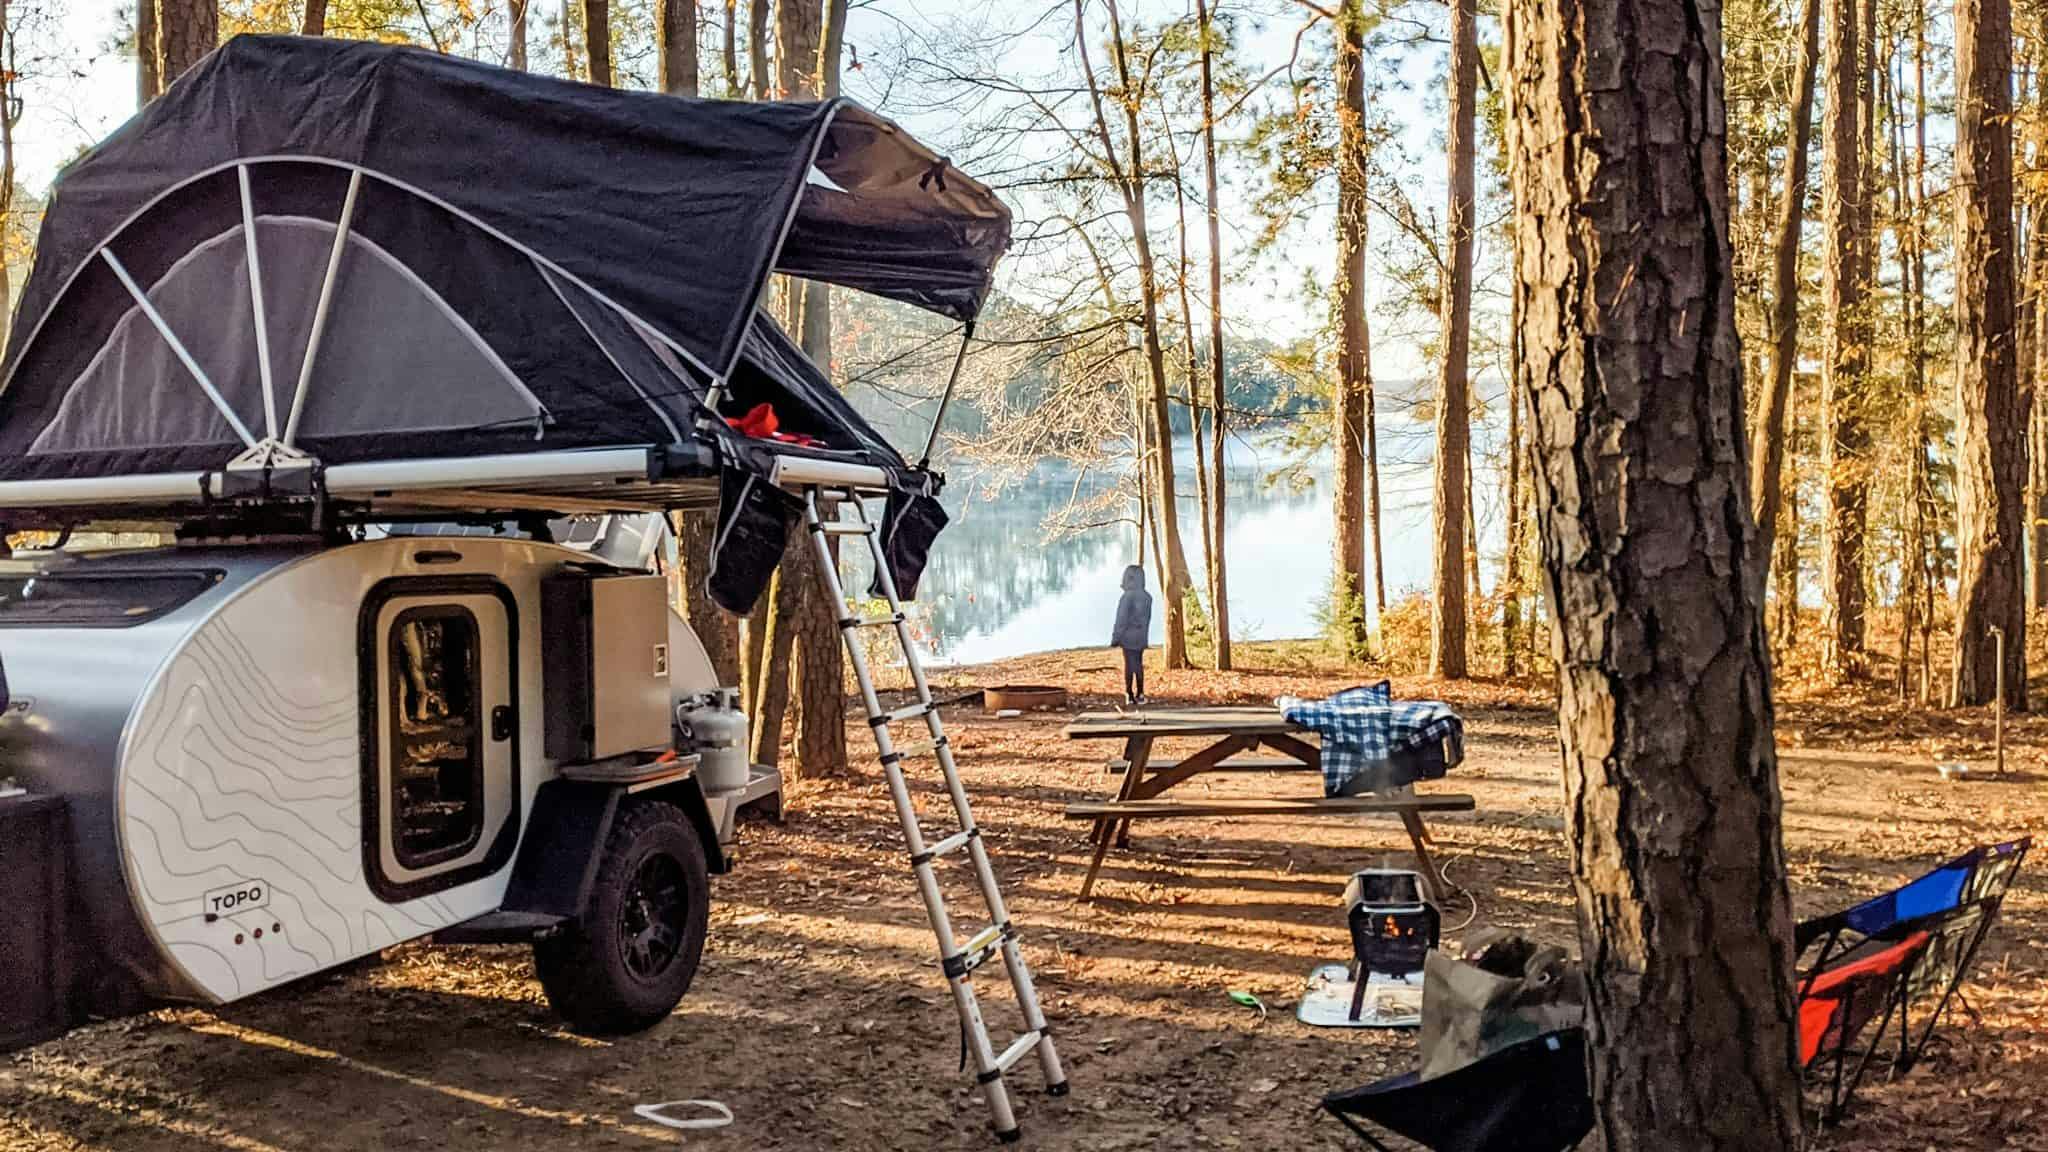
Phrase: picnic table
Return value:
(1231, 733)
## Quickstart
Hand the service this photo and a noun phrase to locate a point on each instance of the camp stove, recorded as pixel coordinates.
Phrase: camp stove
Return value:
(1392, 928)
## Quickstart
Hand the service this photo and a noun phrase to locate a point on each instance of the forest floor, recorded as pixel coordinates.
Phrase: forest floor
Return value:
(819, 1017)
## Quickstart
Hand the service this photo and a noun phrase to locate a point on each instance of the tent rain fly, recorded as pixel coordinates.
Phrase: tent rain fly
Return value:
(422, 284)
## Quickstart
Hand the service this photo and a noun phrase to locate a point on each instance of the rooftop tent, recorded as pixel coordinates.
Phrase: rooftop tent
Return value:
(385, 259)
(673, 209)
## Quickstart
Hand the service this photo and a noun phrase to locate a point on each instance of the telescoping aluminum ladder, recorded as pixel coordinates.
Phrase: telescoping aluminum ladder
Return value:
(957, 958)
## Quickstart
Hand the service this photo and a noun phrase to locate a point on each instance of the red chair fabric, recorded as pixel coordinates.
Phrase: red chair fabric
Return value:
(1837, 1002)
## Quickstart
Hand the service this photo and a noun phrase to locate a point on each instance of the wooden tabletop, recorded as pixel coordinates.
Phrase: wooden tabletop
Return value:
(1180, 722)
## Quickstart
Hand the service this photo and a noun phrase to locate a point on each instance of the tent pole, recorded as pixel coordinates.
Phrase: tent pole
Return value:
(256, 302)
(177, 346)
(348, 214)
(939, 417)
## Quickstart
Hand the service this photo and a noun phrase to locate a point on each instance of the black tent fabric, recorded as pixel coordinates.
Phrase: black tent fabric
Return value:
(366, 253)
(673, 209)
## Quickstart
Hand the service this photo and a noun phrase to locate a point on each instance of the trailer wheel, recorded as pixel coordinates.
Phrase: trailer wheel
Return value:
(634, 951)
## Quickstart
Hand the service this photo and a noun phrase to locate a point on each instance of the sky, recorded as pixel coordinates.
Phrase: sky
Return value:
(88, 88)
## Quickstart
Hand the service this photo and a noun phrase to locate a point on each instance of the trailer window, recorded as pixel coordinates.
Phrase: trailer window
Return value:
(437, 734)
(96, 599)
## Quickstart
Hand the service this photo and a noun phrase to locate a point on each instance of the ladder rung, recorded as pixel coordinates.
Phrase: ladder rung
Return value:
(851, 622)
(977, 951)
(953, 843)
(910, 712)
(1017, 1049)
(846, 527)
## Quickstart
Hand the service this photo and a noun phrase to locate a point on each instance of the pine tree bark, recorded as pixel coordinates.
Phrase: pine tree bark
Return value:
(799, 25)
(675, 35)
(1632, 375)
(771, 706)
(1845, 441)
(186, 30)
(718, 632)
(757, 47)
(1354, 350)
(314, 20)
(597, 40)
(1992, 453)
(1767, 438)
(1219, 569)
(1448, 609)
(148, 62)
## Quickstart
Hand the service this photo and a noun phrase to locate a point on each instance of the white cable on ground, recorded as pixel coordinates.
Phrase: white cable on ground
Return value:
(721, 1117)
(1443, 871)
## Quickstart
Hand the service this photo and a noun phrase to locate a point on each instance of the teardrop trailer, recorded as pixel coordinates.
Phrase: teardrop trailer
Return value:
(308, 312)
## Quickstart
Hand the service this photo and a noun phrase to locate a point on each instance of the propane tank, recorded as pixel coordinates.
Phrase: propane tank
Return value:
(715, 729)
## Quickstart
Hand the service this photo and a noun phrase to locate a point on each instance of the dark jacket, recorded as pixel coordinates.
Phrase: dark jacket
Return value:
(1133, 628)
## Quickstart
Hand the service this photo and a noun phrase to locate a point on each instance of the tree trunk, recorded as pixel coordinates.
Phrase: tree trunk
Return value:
(754, 658)
(731, 51)
(597, 40)
(1219, 570)
(818, 673)
(1992, 453)
(807, 614)
(771, 707)
(832, 47)
(718, 632)
(2037, 530)
(1354, 349)
(1511, 564)
(1845, 441)
(315, 21)
(186, 30)
(757, 47)
(148, 62)
(1767, 438)
(1372, 445)
(1191, 369)
(799, 26)
(1129, 176)
(2034, 356)
(1447, 616)
(675, 32)
(515, 52)
(1631, 370)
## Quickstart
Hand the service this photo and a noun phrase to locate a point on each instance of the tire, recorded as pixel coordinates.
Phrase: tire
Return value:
(632, 955)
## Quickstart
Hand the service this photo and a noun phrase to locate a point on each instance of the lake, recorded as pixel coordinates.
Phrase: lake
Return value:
(998, 585)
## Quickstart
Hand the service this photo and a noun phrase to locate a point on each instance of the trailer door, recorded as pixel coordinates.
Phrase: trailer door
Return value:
(440, 803)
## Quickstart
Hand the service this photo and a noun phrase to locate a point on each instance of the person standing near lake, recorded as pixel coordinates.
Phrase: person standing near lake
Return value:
(1132, 631)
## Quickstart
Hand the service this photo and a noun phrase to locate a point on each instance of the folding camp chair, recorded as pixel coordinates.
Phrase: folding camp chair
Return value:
(1529, 1097)
(1956, 904)
(1837, 1003)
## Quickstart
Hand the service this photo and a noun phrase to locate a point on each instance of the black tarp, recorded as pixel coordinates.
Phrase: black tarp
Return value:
(674, 209)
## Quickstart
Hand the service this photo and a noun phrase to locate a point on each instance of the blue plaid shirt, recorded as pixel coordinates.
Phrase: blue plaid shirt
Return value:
(1366, 732)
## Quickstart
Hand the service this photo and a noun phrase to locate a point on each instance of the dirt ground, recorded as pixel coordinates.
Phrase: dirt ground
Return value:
(820, 1018)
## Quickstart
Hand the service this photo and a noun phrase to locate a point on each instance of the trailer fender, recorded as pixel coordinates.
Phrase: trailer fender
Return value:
(557, 862)
(688, 795)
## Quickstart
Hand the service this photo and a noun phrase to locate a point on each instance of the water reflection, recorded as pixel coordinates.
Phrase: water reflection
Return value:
(999, 586)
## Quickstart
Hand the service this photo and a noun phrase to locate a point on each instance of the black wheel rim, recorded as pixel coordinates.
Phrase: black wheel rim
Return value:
(652, 916)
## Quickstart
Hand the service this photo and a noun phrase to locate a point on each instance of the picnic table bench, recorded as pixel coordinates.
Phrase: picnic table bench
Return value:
(1232, 732)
